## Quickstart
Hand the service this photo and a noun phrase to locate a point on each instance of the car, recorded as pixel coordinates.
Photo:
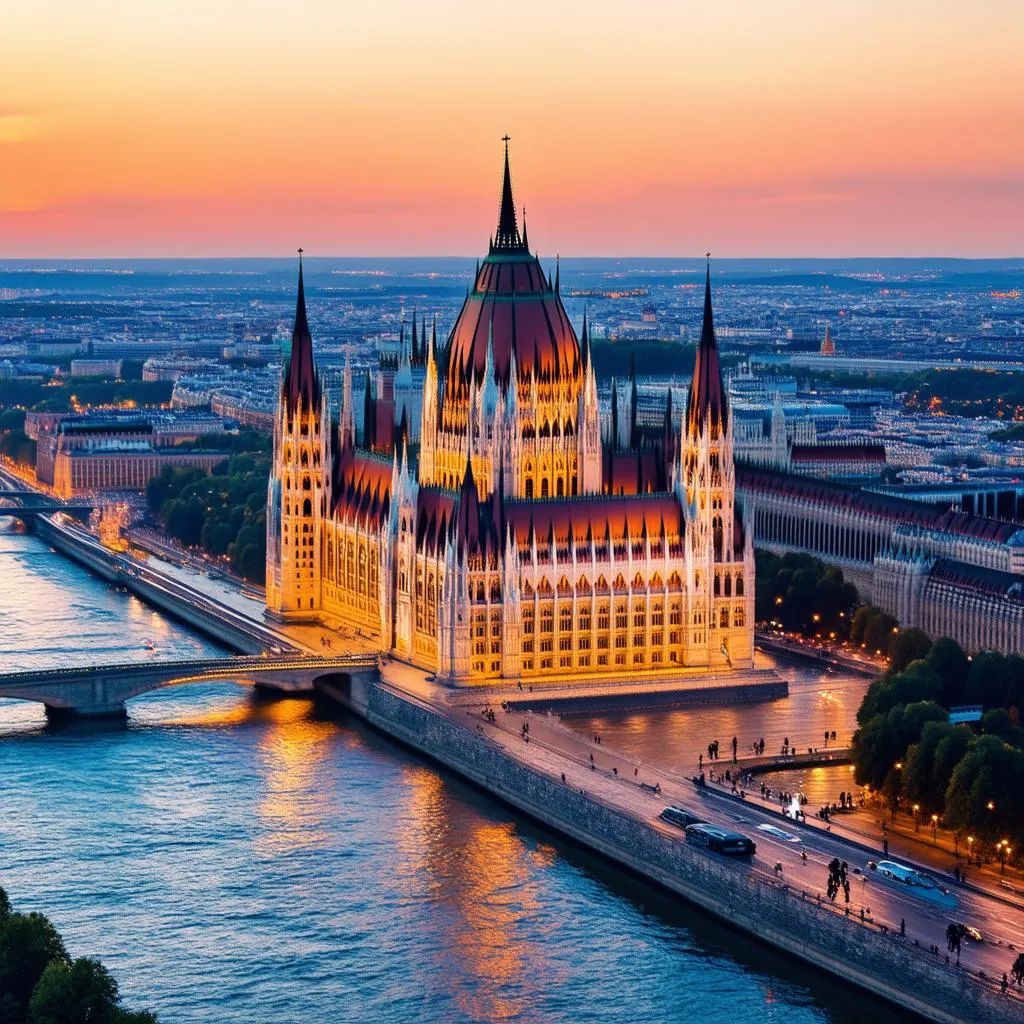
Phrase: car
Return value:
(680, 817)
(778, 833)
(721, 840)
(893, 872)
(970, 932)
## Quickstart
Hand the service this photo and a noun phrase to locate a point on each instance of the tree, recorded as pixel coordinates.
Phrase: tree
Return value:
(917, 683)
(28, 942)
(906, 646)
(989, 680)
(948, 661)
(991, 773)
(999, 722)
(82, 992)
(884, 740)
(929, 764)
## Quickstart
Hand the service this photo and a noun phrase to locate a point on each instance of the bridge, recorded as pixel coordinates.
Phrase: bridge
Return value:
(95, 690)
(30, 504)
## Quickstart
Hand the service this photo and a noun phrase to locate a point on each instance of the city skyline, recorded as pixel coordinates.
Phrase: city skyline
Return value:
(222, 131)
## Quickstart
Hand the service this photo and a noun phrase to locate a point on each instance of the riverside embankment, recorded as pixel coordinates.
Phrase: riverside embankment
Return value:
(588, 808)
(204, 614)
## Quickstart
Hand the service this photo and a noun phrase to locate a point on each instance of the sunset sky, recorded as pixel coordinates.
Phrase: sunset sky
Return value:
(768, 128)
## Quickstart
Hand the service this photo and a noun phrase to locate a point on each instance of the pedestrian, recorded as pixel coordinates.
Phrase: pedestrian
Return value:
(885, 847)
(563, 776)
(700, 762)
(903, 927)
(803, 856)
(636, 772)
(1005, 984)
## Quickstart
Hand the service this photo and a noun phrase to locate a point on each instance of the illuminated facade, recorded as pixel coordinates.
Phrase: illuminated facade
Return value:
(527, 541)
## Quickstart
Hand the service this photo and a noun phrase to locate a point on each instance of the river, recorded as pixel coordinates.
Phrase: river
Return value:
(239, 859)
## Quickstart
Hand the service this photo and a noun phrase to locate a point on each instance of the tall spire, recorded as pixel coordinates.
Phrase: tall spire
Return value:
(707, 403)
(301, 386)
(507, 235)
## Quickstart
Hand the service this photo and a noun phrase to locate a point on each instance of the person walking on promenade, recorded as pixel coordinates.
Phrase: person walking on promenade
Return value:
(735, 743)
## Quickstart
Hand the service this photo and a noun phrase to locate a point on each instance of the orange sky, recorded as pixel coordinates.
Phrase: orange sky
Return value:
(248, 127)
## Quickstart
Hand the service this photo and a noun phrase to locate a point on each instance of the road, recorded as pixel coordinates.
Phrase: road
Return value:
(555, 749)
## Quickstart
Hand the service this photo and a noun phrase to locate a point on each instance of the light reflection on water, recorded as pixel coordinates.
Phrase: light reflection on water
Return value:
(236, 859)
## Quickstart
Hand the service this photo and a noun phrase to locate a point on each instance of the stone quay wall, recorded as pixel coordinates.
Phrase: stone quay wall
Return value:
(777, 913)
(215, 621)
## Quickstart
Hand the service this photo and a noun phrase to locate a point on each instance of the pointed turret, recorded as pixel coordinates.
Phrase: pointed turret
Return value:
(507, 235)
(526, 244)
(301, 386)
(585, 342)
(707, 405)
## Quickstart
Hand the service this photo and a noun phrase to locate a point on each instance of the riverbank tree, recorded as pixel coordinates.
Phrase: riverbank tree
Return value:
(41, 984)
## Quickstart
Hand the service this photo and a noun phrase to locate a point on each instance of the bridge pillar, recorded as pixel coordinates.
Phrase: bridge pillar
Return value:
(63, 714)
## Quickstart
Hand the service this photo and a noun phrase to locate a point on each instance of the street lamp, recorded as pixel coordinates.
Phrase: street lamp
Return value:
(1004, 850)
(935, 825)
(970, 848)
(917, 824)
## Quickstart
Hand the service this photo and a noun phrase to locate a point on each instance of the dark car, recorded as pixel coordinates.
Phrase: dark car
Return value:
(680, 817)
(719, 839)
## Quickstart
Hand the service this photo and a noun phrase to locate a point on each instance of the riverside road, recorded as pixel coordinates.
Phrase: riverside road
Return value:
(615, 779)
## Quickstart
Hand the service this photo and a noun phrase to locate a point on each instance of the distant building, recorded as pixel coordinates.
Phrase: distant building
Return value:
(120, 465)
(96, 367)
(828, 346)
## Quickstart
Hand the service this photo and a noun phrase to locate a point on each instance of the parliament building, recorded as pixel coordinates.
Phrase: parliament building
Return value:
(520, 537)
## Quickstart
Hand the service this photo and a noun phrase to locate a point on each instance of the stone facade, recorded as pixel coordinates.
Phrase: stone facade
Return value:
(525, 541)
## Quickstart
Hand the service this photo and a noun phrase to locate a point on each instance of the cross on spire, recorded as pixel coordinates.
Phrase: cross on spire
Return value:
(507, 235)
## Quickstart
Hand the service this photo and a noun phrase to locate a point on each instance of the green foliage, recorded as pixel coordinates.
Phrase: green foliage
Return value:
(57, 397)
(224, 512)
(989, 680)
(12, 419)
(906, 646)
(28, 942)
(804, 594)
(883, 741)
(999, 722)
(895, 689)
(991, 772)
(82, 992)
(17, 445)
(872, 629)
(39, 983)
(928, 765)
(948, 661)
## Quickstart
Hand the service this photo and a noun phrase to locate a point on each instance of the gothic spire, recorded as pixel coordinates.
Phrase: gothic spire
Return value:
(707, 404)
(301, 387)
(507, 235)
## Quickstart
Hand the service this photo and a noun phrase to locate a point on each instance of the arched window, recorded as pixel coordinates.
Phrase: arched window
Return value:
(559, 488)
(728, 586)
(739, 588)
(544, 487)
(307, 507)
(529, 488)
(718, 586)
(723, 618)
(737, 617)
(304, 459)
(717, 527)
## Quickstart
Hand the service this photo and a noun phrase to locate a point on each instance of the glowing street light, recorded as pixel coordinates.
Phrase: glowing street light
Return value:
(935, 825)
(917, 820)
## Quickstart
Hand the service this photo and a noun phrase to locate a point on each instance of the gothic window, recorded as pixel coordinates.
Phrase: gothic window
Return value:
(620, 582)
(728, 586)
(737, 617)
(544, 487)
(574, 487)
(717, 528)
(739, 586)
(718, 585)
(305, 457)
(563, 586)
(529, 488)
(723, 618)
(638, 582)
(307, 507)
(656, 583)
(559, 488)
(583, 587)
(306, 484)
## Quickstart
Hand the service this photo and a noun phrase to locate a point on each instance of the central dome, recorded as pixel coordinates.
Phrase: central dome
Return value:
(515, 304)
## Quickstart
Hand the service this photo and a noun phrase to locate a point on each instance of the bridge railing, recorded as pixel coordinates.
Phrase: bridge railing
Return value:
(198, 666)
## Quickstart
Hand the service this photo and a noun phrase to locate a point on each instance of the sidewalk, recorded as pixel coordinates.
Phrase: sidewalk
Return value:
(861, 826)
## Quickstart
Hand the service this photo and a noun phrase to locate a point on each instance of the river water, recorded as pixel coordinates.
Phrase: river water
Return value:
(236, 859)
